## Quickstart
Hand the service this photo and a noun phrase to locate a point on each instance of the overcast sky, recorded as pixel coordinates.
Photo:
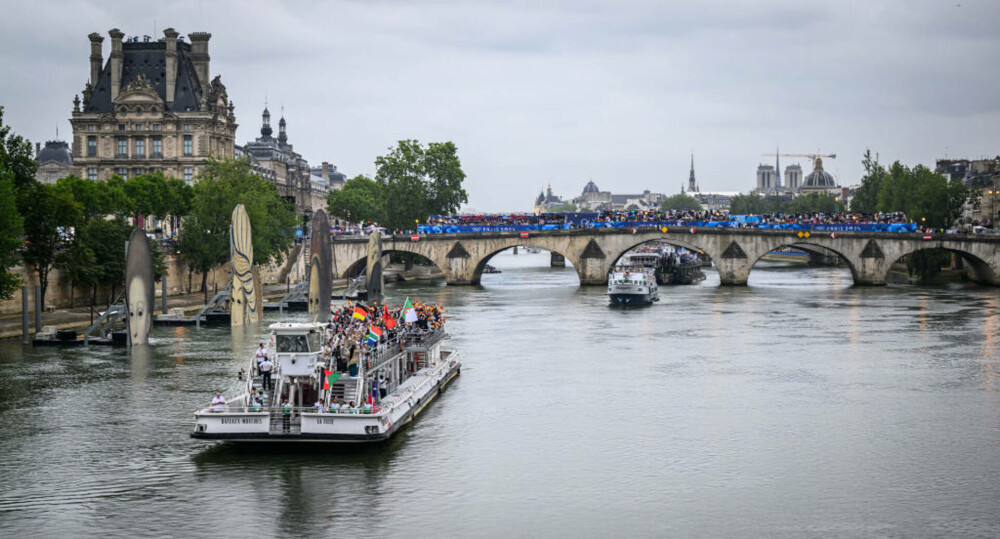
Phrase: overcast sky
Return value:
(561, 92)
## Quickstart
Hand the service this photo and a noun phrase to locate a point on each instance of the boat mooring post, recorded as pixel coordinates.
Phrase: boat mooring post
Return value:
(163, 294)
(38, 308)
(24, 315)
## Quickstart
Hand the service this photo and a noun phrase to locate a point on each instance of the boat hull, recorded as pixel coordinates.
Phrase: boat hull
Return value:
(372, 423)
(631, 299)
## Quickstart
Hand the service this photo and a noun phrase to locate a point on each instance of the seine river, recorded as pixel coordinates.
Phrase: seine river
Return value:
(795, 407)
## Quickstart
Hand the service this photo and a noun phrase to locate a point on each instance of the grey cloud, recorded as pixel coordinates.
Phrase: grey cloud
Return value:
(562, 91)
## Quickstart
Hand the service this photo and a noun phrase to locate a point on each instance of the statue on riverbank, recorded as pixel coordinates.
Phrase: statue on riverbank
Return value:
(139, 281)
(374, 280)
(320, 273)
(243, 293)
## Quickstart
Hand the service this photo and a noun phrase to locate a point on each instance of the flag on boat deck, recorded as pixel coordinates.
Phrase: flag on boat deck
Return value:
(390, 322)
(329, 377)
(373, 334)
(409, 313)
(360, 313)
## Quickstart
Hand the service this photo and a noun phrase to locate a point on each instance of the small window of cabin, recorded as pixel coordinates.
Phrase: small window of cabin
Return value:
(291, 343)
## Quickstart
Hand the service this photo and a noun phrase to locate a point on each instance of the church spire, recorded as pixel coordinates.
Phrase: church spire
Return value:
(777, 168)
(692, 185)
(265, 128)
(282, 136)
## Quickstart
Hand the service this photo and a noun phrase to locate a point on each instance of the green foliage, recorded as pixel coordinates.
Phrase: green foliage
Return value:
(201, 247)
(87, 194)
(16, 158)
(813, 203)
(107, 237)
(17, 174)
(566, 207)
(11, 228)
(866, 197)
(159, 260)
(419, 182)
(681, 202)
(222, 185)
(926, 197)
(78, 263)
(361, 199)
(411, 183)
(750, 204)
(47, 221)
(926, 263)
(114, 201)
(147, 193)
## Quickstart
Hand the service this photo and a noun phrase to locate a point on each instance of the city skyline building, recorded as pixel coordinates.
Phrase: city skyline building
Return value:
(150, 108)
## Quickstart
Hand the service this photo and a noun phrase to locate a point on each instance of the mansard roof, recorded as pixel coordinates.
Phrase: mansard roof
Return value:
(149, 59)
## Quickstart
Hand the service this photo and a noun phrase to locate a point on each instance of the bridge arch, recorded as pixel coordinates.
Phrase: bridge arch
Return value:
(808, 246)
(358, 266)
(982, 271)
(480, 265)
(668, 239)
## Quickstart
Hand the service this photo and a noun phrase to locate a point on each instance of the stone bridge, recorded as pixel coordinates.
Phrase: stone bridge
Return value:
(593, 252)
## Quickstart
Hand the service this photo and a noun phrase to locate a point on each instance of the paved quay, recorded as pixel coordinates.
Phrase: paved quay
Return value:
(79, 317)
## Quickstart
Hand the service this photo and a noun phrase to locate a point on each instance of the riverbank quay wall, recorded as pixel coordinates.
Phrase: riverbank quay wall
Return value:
(291, 268)
(593, 252)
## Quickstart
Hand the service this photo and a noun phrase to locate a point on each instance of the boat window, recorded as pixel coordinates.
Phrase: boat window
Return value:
(291, 343)
(314, 342)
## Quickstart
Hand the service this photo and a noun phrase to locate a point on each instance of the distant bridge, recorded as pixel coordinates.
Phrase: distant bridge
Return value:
(734, 251)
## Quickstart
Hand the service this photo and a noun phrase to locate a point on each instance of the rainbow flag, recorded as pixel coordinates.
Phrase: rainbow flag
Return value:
(360, 313)
(373, 334)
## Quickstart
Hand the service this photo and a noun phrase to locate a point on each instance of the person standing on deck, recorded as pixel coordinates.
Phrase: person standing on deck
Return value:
(265, 372)
(218, 403)
(286, 416)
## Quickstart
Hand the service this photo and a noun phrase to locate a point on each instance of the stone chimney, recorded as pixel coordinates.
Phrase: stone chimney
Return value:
(96, 59)
(171, 63)
(116, 61)
(326, 171)
(199, 57)
(38, 148)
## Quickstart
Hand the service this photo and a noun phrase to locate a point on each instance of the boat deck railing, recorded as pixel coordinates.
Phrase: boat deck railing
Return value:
(418, 338)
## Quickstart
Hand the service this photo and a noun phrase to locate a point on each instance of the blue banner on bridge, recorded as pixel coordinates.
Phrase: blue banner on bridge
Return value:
(751, 221)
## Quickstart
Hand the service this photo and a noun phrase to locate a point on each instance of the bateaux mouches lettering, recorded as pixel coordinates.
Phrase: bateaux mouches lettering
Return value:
(242, 420)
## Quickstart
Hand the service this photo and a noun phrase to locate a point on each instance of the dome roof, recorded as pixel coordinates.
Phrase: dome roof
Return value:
(591, 187)
(819, 178)
(55, 150)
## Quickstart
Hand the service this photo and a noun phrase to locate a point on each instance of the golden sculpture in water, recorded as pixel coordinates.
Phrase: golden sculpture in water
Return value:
(243, 294)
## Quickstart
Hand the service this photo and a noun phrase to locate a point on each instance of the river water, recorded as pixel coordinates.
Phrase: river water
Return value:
(795, 407)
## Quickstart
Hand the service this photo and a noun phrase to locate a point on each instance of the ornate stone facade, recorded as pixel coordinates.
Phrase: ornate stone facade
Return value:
(151, 107)
(278, 162)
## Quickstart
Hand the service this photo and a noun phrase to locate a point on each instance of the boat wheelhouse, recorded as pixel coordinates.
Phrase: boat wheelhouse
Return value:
(311, 401)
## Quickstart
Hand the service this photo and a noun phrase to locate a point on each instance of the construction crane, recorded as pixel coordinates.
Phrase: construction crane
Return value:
(812, 156)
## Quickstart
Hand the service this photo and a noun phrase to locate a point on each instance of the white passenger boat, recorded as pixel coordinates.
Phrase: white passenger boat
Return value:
(392, 384)
(632, 282)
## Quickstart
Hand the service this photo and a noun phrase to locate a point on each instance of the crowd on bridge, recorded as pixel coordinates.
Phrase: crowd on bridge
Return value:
(889, 222)
(882, 222)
